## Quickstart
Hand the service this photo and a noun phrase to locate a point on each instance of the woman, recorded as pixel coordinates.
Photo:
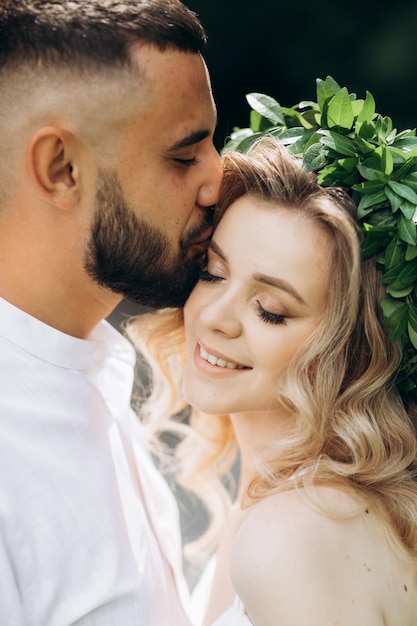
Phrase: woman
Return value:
(288, 358)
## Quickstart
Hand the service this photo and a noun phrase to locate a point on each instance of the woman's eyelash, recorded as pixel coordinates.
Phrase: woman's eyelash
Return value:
(266, 316)
(270, 318)
(207, 277)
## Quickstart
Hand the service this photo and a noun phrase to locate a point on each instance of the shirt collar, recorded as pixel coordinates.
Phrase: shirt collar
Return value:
(58, 348)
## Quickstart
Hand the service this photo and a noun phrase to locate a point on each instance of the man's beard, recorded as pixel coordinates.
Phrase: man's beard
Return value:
(132, 258)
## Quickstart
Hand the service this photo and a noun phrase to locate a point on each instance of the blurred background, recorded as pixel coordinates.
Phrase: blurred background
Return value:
(280, 47)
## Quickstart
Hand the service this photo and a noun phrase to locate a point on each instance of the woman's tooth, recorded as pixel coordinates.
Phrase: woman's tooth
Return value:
(212, 359)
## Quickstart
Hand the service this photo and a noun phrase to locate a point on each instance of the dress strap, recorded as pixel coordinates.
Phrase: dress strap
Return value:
(238, 605)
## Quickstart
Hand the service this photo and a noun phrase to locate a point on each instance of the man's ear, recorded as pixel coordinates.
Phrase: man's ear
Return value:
(54, 171)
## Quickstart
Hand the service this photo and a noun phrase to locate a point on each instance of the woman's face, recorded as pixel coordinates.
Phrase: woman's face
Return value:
(263, 292)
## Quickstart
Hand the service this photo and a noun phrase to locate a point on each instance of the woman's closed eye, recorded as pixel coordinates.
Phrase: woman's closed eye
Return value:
(268, 317)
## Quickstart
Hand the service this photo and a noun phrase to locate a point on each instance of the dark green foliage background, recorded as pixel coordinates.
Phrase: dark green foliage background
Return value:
(280, 48)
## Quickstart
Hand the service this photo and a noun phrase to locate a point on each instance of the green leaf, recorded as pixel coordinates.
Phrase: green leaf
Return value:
(315, 157)
(369, 186)
(397, 321)
(394, 198)
(372, 199)
(383, 127)
(412, 324)
(412, 334)
(405, 143)
(340, 111)
(406, 171)
(365, 130)
(291, 135)
(368, 110)
(325, 90)
(308, 120)
(387, 161)
(267, 107)
(255, 121)
(235, 138)
(371, 169)
(348, 163)
(307, 104)
(338, 143)
(403, 279)
(258, 123)
(411, 180)
(404, 191)
(363, 146)
(383, 218)
(328, 176)
(408, 210)
(296, 139)
(399, 293)
(349, 177)
(357, 106)
(407, 230)
(242, 141)
(394, 254)
(411, 252)
(389, 306)
(372, 243)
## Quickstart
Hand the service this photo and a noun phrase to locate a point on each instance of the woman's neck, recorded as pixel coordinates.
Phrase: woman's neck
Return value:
(253, 429)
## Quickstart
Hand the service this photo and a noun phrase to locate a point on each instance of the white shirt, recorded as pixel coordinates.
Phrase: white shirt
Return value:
(77, 544)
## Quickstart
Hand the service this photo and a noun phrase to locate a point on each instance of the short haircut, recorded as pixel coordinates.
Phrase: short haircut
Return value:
(92, 33)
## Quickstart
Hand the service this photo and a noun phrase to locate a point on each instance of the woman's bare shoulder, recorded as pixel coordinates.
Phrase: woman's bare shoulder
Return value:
(289, 522)
(291, 560)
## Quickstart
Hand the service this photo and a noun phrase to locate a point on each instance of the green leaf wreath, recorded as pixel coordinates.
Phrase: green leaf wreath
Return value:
(348, 144)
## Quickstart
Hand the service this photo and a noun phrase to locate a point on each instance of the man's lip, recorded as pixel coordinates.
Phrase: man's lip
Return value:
(204, 238)
(199, 248)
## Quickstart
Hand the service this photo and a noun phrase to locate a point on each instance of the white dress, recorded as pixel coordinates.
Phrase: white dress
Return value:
(235, 616)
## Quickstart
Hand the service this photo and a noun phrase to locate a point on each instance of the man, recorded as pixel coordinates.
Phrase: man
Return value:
(107, 175)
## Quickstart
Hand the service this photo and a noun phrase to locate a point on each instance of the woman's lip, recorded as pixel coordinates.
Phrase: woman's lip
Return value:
(215, 370)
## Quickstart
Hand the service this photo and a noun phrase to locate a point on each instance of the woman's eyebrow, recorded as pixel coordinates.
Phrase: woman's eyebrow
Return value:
(217, 250)
(273, 281)
(280, 284)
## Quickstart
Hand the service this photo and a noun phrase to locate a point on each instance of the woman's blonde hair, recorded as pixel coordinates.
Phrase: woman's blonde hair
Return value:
(351, 427)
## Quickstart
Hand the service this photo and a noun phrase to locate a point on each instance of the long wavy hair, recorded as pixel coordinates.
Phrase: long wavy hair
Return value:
(351, 428)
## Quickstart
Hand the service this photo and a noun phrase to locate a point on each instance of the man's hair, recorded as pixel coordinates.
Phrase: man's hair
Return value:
(92, 33)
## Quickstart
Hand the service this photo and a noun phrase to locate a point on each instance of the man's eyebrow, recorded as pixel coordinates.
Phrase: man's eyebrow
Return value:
(190, 140)
(263, 278)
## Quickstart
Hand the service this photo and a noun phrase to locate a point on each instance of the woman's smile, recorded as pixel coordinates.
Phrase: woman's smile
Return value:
(215, 364)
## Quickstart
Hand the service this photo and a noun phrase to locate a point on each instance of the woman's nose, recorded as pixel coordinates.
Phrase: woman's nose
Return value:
(222, 315)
